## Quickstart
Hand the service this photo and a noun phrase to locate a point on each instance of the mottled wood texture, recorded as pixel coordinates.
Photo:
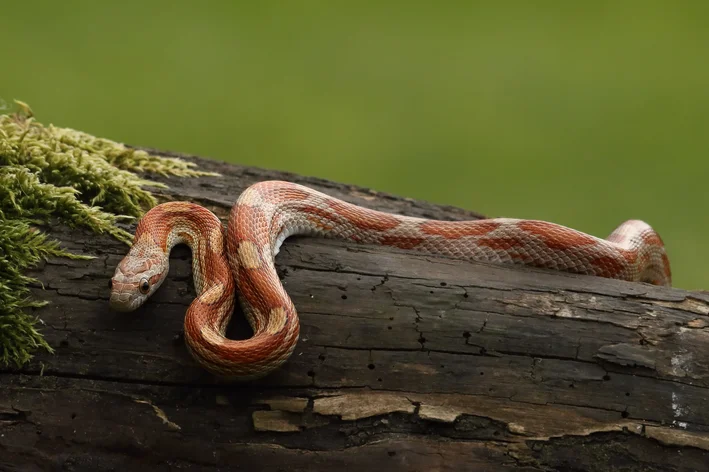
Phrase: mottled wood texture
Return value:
(405, 362)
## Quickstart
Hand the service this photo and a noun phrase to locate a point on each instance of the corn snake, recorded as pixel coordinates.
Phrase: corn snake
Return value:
(242, 255)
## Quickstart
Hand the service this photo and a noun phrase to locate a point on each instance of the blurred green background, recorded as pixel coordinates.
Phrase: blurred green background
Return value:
(581, 113)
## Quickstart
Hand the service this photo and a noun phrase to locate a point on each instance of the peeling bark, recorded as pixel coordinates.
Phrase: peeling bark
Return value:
(405, 362)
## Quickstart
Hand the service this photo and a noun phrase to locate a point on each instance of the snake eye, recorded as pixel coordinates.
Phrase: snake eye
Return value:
(144, 286)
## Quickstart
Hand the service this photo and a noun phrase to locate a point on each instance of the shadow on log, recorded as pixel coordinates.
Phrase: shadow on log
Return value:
(405, 362)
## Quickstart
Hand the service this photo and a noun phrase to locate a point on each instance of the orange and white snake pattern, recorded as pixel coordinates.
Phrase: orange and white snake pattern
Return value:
(268, 212)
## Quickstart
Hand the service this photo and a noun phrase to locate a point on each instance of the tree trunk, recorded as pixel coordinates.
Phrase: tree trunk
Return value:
(405, 362)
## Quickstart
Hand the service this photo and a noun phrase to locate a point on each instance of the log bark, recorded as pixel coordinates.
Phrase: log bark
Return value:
(405, 362)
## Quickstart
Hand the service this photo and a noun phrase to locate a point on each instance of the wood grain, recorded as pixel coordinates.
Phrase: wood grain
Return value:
(405, 362)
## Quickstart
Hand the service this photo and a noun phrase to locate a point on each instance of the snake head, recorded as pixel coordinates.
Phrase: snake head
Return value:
(138, 276)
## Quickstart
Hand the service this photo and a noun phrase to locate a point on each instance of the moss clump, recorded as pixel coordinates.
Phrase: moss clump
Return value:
(47, 173)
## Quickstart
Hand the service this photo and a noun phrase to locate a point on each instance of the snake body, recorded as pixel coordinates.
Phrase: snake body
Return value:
(268, 212)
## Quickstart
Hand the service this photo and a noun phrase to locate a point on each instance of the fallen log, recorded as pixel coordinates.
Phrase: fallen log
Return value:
(405, 362)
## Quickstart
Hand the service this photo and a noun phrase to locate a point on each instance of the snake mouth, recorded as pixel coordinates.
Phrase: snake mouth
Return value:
(123, 297)
(119, 305)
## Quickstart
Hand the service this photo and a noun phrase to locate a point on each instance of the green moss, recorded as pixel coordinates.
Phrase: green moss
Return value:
(49, 173)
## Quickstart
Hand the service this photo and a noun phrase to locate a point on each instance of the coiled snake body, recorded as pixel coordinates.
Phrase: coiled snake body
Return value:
(268, 212)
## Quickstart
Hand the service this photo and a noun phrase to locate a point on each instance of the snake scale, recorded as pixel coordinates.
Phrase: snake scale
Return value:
(265, 214)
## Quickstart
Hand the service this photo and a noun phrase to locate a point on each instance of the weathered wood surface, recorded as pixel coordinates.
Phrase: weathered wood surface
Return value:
(405, 362)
